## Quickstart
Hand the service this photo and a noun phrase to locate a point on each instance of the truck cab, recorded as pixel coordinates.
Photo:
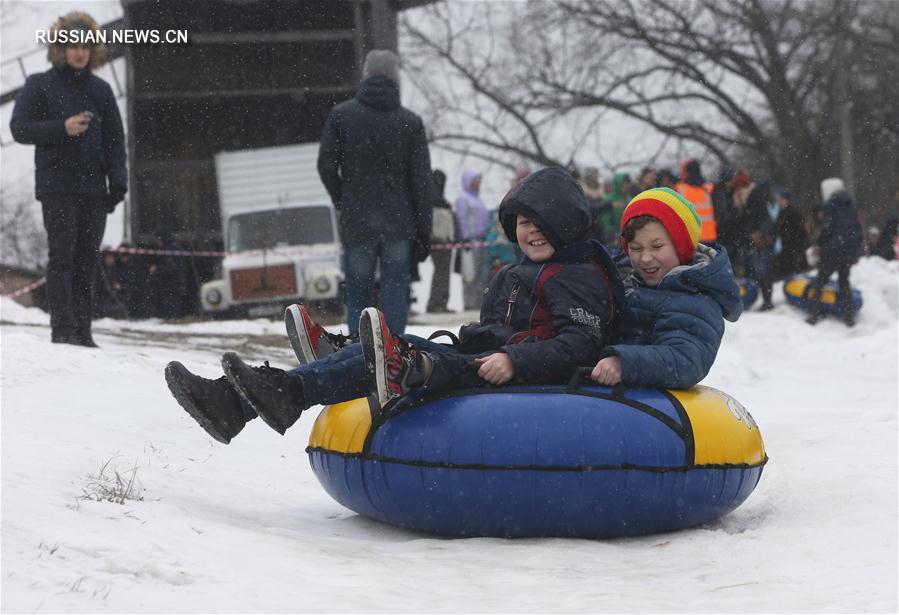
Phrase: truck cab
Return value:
(279, 231)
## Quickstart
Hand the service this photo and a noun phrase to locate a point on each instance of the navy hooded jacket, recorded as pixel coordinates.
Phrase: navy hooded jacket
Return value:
(840, 240)
(670, 334)
(89, 164)
(374, 162)
(555, 316)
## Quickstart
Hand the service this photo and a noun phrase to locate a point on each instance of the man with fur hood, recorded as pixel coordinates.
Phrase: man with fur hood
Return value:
(839, 245)
(375, 164)
(72, 118)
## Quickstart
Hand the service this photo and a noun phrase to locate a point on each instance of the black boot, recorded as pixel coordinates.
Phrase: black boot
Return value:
(214, 404)
(65, 336)
(86, 339)
(275, 396)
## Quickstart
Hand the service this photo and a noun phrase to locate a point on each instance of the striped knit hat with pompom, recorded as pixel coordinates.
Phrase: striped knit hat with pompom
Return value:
(674, 212)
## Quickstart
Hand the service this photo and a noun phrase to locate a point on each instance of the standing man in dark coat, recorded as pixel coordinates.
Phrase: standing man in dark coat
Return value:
(72, 117)
(839, 245)
(374, 161)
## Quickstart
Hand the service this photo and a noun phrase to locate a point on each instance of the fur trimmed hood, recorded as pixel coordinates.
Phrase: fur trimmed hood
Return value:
(76, 20)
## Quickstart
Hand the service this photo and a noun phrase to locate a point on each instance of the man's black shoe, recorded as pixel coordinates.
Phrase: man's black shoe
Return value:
(65, 336)
(214, 404)
(88, 341)
(275, 396)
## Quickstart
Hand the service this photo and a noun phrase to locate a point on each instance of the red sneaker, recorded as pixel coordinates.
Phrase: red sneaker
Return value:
(309, 339)
(394, 362)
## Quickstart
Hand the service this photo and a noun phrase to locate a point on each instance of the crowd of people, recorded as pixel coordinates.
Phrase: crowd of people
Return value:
(764, 233)
(375, 164)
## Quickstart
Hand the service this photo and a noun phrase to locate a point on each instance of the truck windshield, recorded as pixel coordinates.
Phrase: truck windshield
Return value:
(297, 226)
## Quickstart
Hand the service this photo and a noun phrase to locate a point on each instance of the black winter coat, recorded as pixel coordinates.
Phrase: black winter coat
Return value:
(92, 163)
(550, 329)
(375, 164)
(791, 230)
(756, 217)
(555, 316)
(840, 240)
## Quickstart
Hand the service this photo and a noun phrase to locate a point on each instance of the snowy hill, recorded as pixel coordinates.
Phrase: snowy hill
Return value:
(247, 528)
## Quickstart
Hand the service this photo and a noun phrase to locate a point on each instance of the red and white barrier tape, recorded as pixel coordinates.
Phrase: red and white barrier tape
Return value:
(307, 252)
(467, 244)
(125, 250)
(25, 289)
(213, 253)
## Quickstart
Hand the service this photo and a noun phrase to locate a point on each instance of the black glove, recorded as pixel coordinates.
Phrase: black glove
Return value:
(421, 249)
(115, 196)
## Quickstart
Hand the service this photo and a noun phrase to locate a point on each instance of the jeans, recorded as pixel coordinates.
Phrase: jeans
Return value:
(473, 290)
(359, 267)
(761, 263)
(341, 376)
(75, 225)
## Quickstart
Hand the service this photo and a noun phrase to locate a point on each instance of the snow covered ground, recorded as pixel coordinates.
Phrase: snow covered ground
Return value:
(247, 528)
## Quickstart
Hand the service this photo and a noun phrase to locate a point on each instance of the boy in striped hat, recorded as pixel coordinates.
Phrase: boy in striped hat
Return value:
(678, 295)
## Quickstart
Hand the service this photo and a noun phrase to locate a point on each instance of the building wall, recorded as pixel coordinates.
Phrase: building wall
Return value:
(254, 74)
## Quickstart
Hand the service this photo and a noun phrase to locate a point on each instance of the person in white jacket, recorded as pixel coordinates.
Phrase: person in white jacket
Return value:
(473, 222)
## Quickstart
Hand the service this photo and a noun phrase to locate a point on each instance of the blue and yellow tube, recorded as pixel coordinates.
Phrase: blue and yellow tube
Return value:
(541, 460)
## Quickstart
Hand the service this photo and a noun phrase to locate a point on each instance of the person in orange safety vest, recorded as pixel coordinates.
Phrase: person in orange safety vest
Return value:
(693, 187)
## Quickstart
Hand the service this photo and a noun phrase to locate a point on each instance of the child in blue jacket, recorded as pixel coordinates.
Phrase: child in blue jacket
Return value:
(678, 295)
(540, 320)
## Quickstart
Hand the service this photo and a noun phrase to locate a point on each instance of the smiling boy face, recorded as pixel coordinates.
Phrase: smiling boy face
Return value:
(652, 253)
(532, 241)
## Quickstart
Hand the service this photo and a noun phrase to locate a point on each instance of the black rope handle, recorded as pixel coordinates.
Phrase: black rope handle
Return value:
(582, 374)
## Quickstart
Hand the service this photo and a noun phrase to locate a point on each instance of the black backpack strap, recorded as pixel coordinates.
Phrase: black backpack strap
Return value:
(444, 332)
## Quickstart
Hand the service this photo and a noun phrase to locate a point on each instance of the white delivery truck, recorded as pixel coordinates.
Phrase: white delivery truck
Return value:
(280, 234)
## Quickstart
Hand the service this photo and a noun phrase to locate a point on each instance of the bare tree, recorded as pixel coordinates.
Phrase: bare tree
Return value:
(22, 241)
(747, 80)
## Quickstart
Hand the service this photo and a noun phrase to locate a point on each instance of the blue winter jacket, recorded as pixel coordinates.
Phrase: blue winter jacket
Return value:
(92, 163)
(670, 334)
(840, 240)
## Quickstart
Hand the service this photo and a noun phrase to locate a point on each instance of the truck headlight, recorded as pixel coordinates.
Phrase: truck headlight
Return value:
(213, 296)
(322, 284)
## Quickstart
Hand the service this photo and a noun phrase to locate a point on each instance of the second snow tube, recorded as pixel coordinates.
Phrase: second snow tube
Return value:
(749, 292)
(795, 288)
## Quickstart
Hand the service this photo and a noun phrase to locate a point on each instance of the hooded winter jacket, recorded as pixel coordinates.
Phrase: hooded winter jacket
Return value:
(373, 160)
(840, 240)
(555, 316)
(472, 217)
(92, 163)
(670, 334)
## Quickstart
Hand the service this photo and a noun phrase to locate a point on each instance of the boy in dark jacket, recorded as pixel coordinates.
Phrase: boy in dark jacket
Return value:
(540, 320)
(678, 296)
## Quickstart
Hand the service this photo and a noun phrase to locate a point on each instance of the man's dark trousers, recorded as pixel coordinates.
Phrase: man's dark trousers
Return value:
(75, 225)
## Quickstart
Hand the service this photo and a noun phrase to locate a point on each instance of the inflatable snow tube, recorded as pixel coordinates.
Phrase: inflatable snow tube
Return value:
(749, 292)
(541, 460)
(794, 289)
